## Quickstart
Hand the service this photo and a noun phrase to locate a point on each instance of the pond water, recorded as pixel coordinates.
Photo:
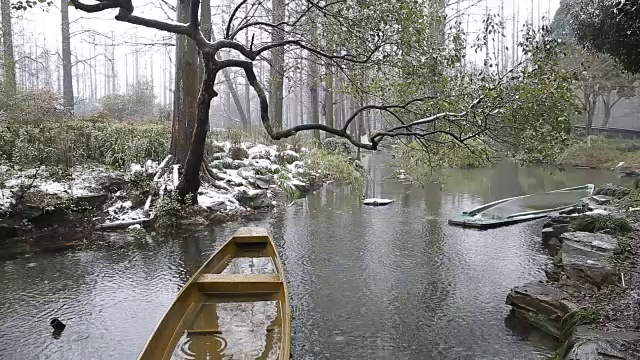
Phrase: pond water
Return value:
(393, 282)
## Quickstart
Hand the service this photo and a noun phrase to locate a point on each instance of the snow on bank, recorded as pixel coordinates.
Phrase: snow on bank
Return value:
(83, 181)
(239, 184)
(6, 199)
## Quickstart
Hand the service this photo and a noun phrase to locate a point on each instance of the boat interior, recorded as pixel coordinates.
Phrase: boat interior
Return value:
(234, 307)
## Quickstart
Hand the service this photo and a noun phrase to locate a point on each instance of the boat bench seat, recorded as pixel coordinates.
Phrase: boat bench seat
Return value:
(239, 283)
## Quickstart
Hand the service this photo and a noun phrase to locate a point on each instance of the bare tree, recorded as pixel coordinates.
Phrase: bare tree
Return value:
(67, 74)
(9, 63)
(189, 27)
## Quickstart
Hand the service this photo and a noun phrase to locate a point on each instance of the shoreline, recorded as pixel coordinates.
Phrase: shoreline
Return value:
(589, 298)
(40, 211)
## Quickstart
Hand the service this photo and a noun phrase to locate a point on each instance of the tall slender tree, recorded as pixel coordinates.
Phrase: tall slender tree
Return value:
(67, 73)
(9, 63)
(276, 78)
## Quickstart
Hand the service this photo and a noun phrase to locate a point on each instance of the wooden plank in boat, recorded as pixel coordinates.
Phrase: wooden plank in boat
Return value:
(239, 283)
(251, 234)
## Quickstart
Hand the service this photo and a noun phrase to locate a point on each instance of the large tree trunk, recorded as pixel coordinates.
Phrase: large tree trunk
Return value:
(185, 89)
(67, 74)
(9, 64)
(190, 182)
(276, 83)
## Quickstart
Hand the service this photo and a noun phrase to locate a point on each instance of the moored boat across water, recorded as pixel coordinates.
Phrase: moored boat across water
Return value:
(522, 208)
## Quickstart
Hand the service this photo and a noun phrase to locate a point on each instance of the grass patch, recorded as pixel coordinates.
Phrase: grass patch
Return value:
(602, 223)
(600, 152)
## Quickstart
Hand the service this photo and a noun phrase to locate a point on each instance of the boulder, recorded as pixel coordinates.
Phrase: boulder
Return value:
(238, 153)
(592, 344)
(595, 350)
(112, 183)
(287, 157)
(254, 199)
(551, 237)
(227, 163)
(611, 190)
(588, 244)
(601, 199)
(542, 299)
(218, 156)
(583, 269)
(263, 181)
(247, 173)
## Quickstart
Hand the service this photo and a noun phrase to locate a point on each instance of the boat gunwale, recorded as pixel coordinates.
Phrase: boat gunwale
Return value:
(285, 345)
(473, 212)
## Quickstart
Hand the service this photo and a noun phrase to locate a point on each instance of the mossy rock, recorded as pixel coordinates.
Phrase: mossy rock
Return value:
(238, 153)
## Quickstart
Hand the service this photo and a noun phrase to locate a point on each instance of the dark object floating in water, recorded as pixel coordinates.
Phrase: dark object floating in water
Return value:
(377, 202)
(522, 208)
(58, 327)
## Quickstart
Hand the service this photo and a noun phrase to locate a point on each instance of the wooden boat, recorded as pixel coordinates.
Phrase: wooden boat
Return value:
(234, 307)
(522, 208)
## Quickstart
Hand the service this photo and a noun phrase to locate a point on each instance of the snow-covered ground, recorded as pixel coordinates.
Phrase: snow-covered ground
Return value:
(238, 185)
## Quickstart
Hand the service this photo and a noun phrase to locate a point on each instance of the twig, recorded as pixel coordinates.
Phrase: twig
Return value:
(161, 167)
(122, 224)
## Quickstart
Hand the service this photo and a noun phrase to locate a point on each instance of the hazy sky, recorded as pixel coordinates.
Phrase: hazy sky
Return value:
(46, 27)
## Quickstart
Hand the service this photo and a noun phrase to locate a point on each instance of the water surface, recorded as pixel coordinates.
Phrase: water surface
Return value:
(392, 282)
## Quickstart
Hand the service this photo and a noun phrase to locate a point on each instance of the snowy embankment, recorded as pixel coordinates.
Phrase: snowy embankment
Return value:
(237, 179)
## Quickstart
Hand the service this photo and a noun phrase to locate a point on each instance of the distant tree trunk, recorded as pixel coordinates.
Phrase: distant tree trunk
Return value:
(276, 83)
(591, 101)
(328, 100)
(67, 74)
(9, 64)
(608, 107)
(185, 89)
(313, 94)
(247, 87)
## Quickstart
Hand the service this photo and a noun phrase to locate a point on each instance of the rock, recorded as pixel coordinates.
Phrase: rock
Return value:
(287, 157)
(91, 201)
(218, 155)
(227, 163)
(551, 234)
(254, 199)
(112, 183)
(553, 274)
(541, 299)
(583, 269)
(263, 181)
(196, 220)
(558, 219)
(585, 332)
(595, 350)
(261, 152)
(587, 244)
(238, 153)
(611, 190)
(601, 199)
(247, 173)
(585, 257)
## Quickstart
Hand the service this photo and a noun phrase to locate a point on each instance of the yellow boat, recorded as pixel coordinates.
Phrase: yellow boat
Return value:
(234, 307)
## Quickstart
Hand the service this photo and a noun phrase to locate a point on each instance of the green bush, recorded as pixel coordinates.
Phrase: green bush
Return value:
(338, 166)
(67, 143)
(596, 223)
